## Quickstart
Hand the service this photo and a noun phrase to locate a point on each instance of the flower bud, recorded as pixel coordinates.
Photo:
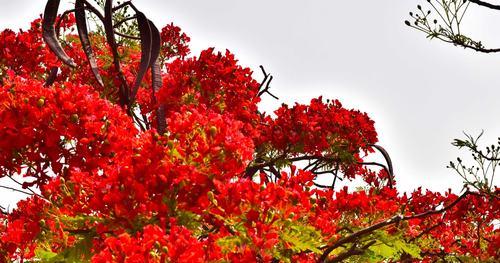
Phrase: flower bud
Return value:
(40, 102)
(74, 118)
(213, 131)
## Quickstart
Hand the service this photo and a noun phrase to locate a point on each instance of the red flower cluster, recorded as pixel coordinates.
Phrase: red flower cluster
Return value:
(174, 43)
(320, 128)
(216, 81)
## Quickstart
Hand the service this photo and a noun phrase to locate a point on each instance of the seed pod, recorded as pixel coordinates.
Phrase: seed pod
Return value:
(110, 38)
(49, 32)
(146, 41)
(81, 24)
(156, 75)
(387, 159)
(155, 43)
(52, 76)
(161, 122)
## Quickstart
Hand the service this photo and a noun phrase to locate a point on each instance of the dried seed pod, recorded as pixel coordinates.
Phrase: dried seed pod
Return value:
(156, 75)
(146, 41)
(81, 23)
(155, 43)
(52, 76)
(110, 38)
(387, 159)
(49, 32)
(157, 83)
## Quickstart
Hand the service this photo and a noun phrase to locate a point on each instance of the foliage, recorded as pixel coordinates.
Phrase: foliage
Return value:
(220, 182)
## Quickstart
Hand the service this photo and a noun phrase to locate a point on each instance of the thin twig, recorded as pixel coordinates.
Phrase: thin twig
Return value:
(127, 36)
(16, 190)
(124, 21)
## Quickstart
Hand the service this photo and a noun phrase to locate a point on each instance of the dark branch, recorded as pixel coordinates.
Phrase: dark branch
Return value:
(394, 220)
(127, 36)
(439, 211)
(124, 89)
(27, 188)
(265, 85)
(485, 4)
(3, 211)
(124, 21)
(127, 3)
(16, 190)
(425, 232)
(478, 49)
(353, 251)
(94, 10)
(61, 18)
(88, 7)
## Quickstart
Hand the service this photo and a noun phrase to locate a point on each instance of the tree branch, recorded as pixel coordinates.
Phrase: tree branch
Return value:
(353, 251)
(265, 85)
(485, 4)
(3, 210)
(478, 49)
(127, 36)
(425, 232)
(124, 21)
(395, 219)
(16, 190)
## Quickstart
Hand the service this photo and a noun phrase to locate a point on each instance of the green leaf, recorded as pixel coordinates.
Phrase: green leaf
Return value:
(44, 255)
(80, 252)
(230, 243)
(392, 246)
(410, 249)
(383, 251)
(190, 220)
(302, 238)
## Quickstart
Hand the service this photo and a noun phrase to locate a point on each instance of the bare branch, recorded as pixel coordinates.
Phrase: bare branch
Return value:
(265, 85)
(485, 4)
(124, 21)
(16, 190)
(127, 36)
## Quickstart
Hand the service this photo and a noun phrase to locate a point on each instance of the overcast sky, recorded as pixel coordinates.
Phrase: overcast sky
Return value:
(420, 93)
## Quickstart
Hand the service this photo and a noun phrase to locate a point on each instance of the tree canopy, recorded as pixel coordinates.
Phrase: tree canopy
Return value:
(130, 149)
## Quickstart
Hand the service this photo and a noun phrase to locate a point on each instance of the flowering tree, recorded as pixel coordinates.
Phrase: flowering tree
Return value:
(131, 150)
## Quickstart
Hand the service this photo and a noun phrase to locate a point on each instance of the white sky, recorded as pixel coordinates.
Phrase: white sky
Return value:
(420, 93)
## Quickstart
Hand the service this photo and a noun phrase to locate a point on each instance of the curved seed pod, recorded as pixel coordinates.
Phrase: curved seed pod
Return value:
(157, 83)
(81, 24)
(146, 41)
(49, 32)
(387, 159)
(110, 38)
(156, 75)
(155, 43)
(52, 76)
(108, 26)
